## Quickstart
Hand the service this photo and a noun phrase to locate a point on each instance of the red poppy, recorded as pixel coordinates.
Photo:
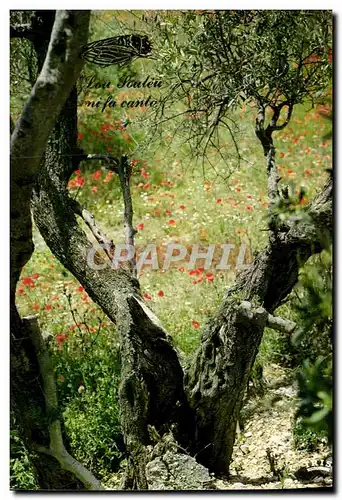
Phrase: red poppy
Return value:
(238, 189)
(144, 174)
(78, 171)
(196, 324)
(308, 171)
(48, 307)
(181, 269)
(182, 207)
(140, 227)
(80, 136)
(61, 337)
(249, 196)
(209, 277)
(20, 291)
(29, 282)
(105, 127)
(160, 293)
(219, 200)
(282, 155)
(147, 296)
(96, 175)
(94, 189)
(35, 276)
(249, 208)
(79, 181)
(172, 222)
(168, 212)
(36, 307)
(80, 288)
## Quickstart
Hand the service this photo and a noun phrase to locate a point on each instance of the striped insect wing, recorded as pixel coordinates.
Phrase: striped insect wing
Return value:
(116, 50)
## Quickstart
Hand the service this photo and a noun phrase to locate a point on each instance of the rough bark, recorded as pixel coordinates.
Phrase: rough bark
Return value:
(28, 140)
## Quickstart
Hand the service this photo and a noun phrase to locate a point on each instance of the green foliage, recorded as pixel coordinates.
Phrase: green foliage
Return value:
(313, 341)
(93, 429)
(306, 437)
(219, 61)
(269, 55)
(315, 391)
(22, 473)
(88, 371)
(313, 306)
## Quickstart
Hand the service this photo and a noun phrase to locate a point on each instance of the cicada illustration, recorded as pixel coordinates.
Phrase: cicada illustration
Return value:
(116, 50)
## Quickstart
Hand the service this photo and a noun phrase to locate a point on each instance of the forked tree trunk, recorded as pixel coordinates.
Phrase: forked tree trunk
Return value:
(152, 389)
(217, 380)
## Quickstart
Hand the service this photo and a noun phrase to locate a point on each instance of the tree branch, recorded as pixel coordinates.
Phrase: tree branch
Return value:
(57, 448)
(281, 324)
(59, 74)
(276, 113)
(259, 315)
(112, 161)
(106, 243)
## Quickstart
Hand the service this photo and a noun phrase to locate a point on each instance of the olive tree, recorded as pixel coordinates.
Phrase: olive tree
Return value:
(218, 60)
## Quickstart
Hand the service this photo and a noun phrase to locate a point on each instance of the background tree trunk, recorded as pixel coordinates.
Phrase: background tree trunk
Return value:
(28, 141)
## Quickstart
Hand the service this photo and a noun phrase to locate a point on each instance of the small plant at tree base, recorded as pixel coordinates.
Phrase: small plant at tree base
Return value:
(306, 437)
(22, 472)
